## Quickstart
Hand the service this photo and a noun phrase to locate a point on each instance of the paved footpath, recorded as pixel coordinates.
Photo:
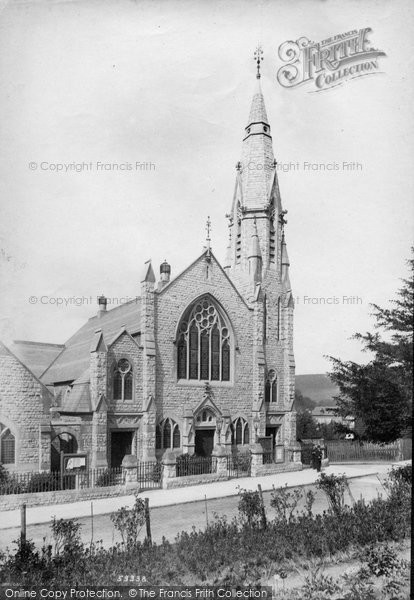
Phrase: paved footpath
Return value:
(209, 491)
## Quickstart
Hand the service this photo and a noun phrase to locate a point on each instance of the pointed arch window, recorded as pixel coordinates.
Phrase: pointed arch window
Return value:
(271, 387)
(123, 380)
(7, 446)
(240, 432)
(203, 345)
(167, 435)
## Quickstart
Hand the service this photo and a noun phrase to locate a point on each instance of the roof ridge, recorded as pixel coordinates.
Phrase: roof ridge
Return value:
(38, 343)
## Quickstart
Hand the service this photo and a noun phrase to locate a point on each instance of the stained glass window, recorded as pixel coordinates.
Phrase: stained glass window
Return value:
(158, 438)
(167, 435)
(225, 365)
(203, 347)
(193, 352)
(7, 446)
(176, 437)
(128, 386)
(182, 358)
(123, 380)
(240, 432)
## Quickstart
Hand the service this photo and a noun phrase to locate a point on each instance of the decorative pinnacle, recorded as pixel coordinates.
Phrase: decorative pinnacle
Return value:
(282, 218)
(258, 57)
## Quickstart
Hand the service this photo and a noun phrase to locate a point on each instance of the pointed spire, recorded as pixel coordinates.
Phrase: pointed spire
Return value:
(150, 275)
(258, 112)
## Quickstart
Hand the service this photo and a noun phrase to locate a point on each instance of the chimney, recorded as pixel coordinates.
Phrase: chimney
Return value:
(102, 302)
(165, 272)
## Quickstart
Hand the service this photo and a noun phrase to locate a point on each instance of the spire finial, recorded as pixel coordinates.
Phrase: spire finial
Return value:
(258, 57)
(208, 229)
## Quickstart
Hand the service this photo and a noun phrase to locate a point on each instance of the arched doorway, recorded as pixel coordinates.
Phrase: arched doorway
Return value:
(205, 429)
(63, 442)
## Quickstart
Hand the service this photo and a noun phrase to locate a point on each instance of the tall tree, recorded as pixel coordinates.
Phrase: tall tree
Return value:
(380, 392)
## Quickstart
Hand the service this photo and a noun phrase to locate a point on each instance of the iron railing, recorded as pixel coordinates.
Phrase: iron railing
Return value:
(195, 465)
(239, 465)
(148, 475)
(276, 456)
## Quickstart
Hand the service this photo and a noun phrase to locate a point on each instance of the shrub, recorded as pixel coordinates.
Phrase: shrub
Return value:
(107, 478)
(251, 508)
(381, 560)
(43, 482)
(129, 522)
(285, 502)
(334, 487)
(66, 535)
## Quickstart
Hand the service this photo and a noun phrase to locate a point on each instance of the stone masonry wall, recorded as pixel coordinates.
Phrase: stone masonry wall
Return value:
(173, 398)
(24, 404)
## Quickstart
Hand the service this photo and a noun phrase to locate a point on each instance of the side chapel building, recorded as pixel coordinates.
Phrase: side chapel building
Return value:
(201, 359)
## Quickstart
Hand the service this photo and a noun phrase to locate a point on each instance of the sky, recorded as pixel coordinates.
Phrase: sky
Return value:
(169, 85)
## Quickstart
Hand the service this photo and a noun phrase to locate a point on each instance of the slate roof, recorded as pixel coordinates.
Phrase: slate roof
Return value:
(78, 398)
(37, 356)
(73, 361)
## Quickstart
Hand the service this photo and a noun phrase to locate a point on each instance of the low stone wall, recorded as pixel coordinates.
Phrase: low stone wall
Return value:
(13, 501)
(188, 480)
(278, 468)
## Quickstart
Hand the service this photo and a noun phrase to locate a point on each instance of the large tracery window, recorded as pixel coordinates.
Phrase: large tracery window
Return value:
(167, 435)
(203, 344)
(122, 380)
(7, 446)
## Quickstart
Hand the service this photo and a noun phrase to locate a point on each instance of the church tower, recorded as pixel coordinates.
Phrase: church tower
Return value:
(256, 212)
(258, 264)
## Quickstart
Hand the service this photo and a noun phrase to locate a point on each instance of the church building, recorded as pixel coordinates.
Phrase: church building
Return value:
(200, 359)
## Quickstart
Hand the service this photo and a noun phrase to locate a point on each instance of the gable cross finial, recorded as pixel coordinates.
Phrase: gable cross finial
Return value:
(258, 57)
(208, 229)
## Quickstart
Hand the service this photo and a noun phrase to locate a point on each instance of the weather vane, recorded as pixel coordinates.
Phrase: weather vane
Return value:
(258, 57)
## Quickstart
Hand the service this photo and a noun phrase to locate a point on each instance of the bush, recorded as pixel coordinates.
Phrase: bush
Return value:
(107, 478)
(191, 464)
(129, 522)
(226, 551)
(334, 487)
(251, 508)
(43, 482)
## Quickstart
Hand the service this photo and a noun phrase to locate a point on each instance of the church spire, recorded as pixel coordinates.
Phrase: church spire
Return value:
(256, 201)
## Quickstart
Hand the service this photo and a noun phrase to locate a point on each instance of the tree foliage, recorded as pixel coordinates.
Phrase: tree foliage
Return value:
(380, 392)
(302, 402)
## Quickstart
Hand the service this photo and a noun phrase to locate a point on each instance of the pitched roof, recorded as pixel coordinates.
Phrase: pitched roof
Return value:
(37, 356)
(74, 359)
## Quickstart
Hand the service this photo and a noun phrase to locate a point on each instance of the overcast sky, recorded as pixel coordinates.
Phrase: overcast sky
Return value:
(170, 83)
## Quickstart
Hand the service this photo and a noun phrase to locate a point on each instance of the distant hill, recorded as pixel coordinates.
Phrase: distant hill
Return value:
(318, 388)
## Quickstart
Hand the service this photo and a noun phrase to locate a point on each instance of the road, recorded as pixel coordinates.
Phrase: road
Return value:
(170, 520)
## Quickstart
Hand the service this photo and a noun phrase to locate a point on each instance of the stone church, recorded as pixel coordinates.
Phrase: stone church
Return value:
(203, 358)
